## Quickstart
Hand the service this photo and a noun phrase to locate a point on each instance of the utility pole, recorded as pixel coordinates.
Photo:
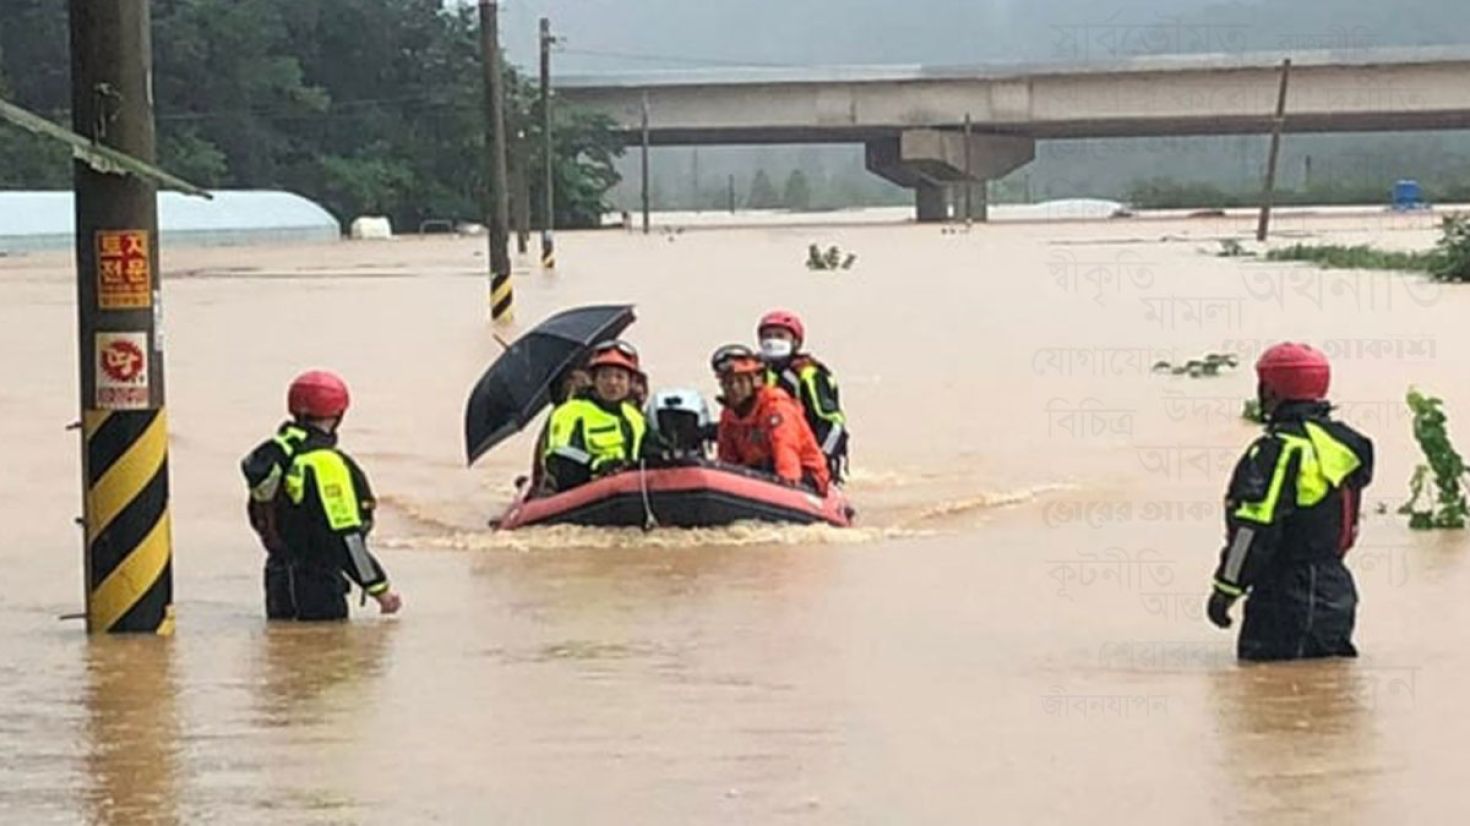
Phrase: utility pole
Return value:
(129, 547)
(969, 172)
(497, 193)
(1268, 192)
(548, 185)
(698, 200)
(645, 162)
(520, 189)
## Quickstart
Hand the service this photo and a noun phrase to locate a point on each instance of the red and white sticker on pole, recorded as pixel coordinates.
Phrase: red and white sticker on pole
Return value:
(122, 371)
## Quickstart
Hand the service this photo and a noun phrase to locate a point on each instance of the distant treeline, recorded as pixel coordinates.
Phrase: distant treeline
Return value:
(368, 106)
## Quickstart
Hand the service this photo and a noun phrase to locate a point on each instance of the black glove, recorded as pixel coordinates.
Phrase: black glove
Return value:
(1218, 608)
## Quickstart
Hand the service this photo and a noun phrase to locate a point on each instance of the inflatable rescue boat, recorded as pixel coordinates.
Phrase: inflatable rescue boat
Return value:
(688, 496)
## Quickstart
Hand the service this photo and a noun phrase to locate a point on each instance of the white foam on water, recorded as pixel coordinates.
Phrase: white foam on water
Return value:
(739, 534)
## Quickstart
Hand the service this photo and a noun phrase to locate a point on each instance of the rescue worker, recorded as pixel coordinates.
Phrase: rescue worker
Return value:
(312, 508)
(761, 427)
(600, 430)
(781, 335)
(1291, 514)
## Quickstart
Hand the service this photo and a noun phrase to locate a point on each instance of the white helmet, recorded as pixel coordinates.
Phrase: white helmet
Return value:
(680, 417)
(684, 401)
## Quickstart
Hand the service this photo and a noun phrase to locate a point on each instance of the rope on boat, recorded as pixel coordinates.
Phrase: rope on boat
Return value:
(649, 520)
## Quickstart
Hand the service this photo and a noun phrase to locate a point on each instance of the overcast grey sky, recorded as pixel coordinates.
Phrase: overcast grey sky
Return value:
(611, 35)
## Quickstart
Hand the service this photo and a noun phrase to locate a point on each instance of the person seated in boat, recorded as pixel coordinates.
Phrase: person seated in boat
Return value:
(761, 426)
(781, 335)
(679, 426)
(600, 430)
(572, 383)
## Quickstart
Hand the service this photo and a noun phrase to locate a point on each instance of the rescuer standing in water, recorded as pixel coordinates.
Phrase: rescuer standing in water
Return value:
(312, 507)
(1291, 514)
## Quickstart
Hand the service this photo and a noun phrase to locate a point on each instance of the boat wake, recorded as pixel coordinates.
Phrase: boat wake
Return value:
(740, 534)
(981, 502)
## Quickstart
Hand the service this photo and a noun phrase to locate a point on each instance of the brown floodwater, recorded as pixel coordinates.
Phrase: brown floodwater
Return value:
(1013, 634)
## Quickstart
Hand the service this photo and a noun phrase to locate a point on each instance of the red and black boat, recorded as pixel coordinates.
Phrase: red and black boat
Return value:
(694, 495)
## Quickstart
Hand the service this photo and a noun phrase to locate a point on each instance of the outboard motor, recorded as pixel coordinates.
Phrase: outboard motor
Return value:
(681, 419)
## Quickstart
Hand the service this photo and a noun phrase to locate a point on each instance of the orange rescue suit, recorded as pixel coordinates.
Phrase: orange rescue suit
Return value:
(773, 436)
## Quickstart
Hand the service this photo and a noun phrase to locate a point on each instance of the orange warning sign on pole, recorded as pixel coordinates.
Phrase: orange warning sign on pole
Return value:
(124, 273)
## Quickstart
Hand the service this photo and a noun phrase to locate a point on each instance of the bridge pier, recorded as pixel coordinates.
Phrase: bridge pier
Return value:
(931, 203)
(932, 161)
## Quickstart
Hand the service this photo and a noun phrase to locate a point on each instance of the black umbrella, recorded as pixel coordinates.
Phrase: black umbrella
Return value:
(518, 384)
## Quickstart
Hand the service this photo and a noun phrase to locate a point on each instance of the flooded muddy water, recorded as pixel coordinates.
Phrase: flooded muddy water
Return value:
(1012, 634)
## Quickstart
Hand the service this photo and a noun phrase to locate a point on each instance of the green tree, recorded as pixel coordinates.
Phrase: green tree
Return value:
(798, 193)
(762, 192)
(363, 105)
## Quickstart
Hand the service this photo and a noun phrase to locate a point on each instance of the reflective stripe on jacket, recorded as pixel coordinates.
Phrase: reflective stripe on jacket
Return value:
(1294, 496)
(812, 385)
(586, 434)
(774, 437)
(331, 515)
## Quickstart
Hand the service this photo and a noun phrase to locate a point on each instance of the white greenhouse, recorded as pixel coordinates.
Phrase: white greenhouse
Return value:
(46, 220)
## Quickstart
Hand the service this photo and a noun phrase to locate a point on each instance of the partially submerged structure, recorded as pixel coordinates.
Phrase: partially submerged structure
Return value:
(46, 220)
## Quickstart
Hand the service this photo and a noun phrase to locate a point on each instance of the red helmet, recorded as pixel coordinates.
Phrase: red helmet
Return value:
(318, 394)
(786, 321)
(1294, 372)
(616, 353)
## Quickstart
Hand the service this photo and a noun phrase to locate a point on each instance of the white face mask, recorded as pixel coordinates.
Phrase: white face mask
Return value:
(777, 348)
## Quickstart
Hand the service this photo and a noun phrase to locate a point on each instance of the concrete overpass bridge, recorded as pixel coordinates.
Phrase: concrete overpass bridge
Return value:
(910, 118)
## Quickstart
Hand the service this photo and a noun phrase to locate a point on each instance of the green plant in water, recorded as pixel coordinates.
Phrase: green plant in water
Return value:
(1359, 257)
(1452, 250)
(1447, 508)
(1210, 365)
(832, 259)
(1231, 248)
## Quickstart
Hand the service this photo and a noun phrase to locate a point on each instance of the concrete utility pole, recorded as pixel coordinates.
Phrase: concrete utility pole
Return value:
(129, 548)
(520, 188)
(498, 206)
(548, 195)
(969, 171)
(1268, 192)
(645, 163)
(694, 185)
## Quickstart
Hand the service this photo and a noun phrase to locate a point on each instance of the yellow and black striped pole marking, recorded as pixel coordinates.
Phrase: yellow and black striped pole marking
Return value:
(501, 296)
(129, 546)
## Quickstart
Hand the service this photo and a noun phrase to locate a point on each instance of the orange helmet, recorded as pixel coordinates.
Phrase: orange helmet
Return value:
(734, 359)
(616, 353)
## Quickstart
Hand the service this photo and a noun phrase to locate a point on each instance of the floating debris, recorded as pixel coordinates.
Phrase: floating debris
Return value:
(1210, 365)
